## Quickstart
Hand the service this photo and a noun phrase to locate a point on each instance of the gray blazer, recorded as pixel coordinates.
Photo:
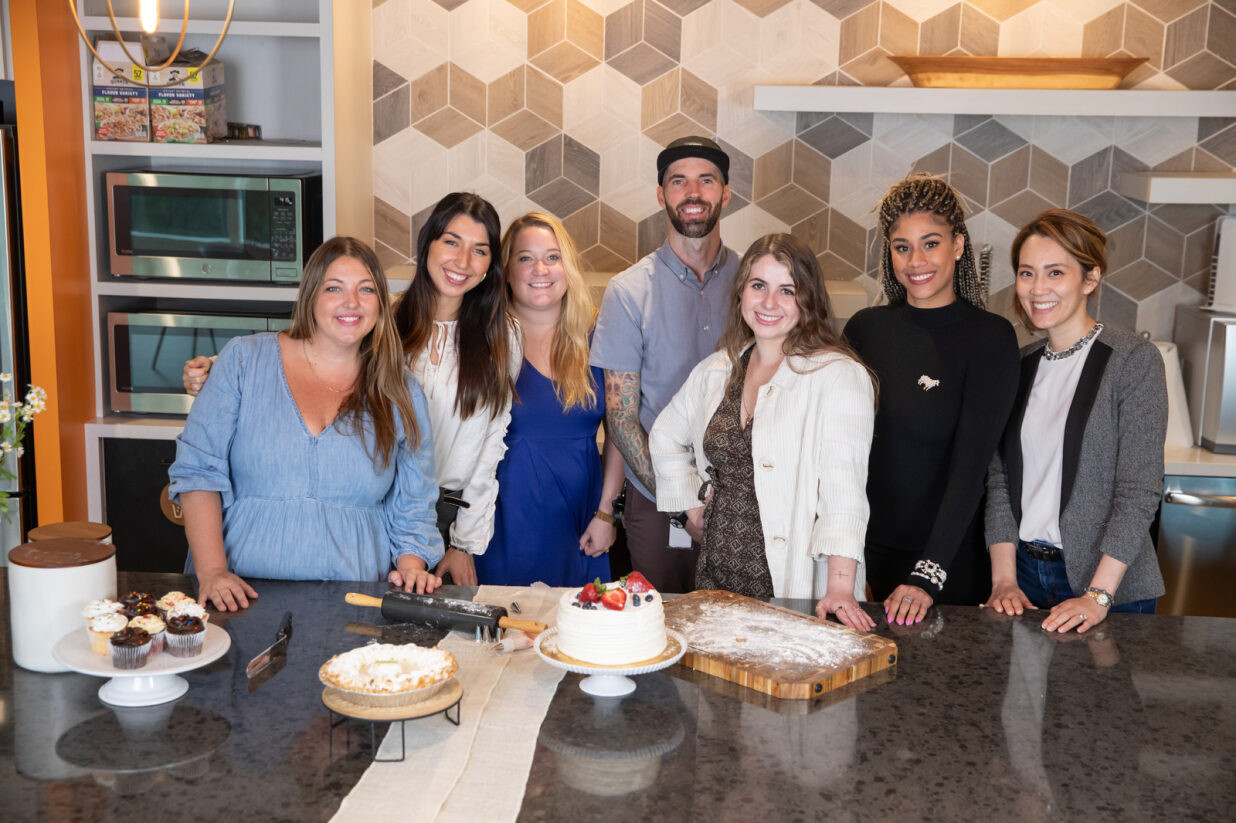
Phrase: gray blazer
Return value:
(1112, 473)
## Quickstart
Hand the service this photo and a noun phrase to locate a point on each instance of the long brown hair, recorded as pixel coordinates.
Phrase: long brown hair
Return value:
(1076, 233)
(380, 382)
(813, 334)
(568, 356)
(927, 192)
(483, 331)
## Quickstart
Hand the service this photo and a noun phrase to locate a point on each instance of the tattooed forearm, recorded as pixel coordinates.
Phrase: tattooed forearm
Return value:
(622, 416)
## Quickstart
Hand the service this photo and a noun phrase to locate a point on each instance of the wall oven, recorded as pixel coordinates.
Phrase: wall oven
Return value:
(147, 353)
(190, 225)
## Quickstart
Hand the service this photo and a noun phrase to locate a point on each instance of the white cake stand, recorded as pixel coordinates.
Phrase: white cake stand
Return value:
(154, 683)
(609, 681)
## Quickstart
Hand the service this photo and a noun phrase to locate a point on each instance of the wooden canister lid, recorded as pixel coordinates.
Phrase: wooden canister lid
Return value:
(73, 528)
(61, 553)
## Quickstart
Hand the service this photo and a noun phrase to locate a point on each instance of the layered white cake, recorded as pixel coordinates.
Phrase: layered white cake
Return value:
(612, 624)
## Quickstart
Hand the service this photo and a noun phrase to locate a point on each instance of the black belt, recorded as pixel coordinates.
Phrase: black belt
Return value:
(1041, 551)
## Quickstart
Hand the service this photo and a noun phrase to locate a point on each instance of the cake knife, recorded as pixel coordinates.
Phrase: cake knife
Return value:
(276, 653)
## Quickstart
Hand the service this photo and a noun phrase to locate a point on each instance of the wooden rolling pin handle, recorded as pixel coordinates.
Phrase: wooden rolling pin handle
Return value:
(363, 600)
(529, 626)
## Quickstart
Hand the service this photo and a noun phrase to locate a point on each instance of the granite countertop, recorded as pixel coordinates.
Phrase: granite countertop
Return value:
(983, 717)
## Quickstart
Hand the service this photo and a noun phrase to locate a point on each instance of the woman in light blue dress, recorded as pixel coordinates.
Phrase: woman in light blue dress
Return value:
(308, 455)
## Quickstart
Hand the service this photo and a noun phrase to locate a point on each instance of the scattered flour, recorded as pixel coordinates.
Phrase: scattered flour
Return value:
(753, 635)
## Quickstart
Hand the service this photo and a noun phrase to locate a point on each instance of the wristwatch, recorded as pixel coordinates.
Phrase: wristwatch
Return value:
(1100, 596)
(679, 519)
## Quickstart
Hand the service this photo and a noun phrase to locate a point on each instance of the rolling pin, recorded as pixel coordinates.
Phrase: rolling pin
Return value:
(443, 612)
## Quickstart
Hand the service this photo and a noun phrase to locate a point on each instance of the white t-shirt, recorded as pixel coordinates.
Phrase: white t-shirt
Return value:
(1042, 444)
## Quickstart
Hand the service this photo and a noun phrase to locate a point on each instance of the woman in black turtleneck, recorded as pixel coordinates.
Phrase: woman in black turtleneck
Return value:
(947, 374)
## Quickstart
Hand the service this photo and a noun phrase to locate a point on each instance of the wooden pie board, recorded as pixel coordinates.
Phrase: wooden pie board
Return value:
(770, 649)
(443, 699)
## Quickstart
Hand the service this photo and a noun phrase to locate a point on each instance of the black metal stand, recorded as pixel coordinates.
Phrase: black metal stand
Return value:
(337, 719)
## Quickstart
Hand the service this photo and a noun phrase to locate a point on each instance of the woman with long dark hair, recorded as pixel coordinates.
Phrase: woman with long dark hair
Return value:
(765, 446)
(308, 456)
(464, 350)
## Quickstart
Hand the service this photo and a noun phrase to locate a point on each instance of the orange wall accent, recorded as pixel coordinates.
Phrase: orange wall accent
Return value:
(47, 73)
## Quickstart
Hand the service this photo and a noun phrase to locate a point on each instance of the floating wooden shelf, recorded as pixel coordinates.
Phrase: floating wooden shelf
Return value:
(1050, 102)
(1182, 187)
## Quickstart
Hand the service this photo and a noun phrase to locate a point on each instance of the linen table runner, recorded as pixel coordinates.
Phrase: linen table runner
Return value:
(477, 770)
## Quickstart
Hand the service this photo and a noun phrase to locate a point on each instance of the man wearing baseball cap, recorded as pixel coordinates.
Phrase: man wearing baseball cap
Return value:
(658, 319)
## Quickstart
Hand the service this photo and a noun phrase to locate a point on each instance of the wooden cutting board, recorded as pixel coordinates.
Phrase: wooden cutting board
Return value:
(770, 649)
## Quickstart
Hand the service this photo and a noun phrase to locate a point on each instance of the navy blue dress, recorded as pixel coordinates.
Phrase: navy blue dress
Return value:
(549, 485)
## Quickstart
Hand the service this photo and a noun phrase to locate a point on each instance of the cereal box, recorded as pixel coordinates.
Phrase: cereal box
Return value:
(194, 111)
(121, 107)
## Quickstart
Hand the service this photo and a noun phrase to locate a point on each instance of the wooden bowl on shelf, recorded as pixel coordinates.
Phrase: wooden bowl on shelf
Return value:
(1017, 72)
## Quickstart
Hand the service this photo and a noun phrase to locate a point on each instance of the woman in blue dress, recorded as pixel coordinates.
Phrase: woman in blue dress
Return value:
(308, 455)
(554, 520)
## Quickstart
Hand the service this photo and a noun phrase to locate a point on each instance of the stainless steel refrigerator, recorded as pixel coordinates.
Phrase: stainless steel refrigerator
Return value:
(14, 338)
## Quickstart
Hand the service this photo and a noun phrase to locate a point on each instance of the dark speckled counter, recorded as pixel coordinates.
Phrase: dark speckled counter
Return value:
(984, 717)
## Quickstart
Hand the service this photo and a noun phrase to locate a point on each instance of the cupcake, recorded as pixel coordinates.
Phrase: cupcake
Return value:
(140, 608)
(154, 626)
(102, 627)
(137, 597)
(185, 635)
(130, 646)
(96, 608)
(167, 601)
(189, 608)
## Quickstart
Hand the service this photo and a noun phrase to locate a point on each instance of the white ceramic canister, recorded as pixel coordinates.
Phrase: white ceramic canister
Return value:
(49, 583)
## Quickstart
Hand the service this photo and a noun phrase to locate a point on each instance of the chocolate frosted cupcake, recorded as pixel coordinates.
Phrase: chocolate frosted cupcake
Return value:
(138, 603)
(154, 626)
(130, 647)
(185, 636)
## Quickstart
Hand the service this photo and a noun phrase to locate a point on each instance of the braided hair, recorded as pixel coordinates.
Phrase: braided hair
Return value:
(929, 193)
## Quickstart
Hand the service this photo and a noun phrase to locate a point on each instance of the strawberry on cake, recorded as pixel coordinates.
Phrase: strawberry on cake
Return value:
(612, 624)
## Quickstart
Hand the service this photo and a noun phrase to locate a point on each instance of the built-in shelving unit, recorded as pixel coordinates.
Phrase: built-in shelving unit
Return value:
(278, 59)
(1052, 102)
(1178, 187)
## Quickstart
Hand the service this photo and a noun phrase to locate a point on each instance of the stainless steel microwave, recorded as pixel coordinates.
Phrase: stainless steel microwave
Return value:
(201, 226)
(147, 354)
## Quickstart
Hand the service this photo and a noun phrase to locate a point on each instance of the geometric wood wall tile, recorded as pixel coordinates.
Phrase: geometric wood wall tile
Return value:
(1048, 176)
(968, 174)
(980, 34)
(1090, 176)
(1186, 36)
(1168, 10)
(1104, 35)
(761, 8)
(1009, 175)
(898, 32)
(1109, 210)
(1143, 35)
(1002, 9)
(663, 30)
(859, 33)
(488, 38)
(390, 114)
(392, 227)
(1141, 279)
(942, 33)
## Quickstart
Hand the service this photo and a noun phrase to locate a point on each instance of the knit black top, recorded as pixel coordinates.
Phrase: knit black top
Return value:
(947, 380)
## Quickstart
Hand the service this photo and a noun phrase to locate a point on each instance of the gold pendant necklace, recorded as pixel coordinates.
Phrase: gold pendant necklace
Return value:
(304, 348)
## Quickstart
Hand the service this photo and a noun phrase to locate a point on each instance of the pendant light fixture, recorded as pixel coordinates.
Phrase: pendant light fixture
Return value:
(148, 15)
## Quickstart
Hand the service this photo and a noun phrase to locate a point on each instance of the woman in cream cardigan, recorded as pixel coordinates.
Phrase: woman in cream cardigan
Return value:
(765, 446)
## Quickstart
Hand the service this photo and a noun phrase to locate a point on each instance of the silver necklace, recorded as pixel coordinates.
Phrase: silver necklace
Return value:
(305, 350)
(1048, 354)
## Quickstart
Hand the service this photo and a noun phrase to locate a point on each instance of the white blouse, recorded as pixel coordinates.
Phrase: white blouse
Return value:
(466, 451)
(1042, 445)
(810, 439)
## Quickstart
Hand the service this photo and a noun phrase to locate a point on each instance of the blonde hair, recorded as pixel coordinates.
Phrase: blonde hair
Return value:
(928, 193)
(380, 383)
(573, 383)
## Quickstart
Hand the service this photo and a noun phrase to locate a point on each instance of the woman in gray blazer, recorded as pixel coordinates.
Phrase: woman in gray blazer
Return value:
(1076, 481)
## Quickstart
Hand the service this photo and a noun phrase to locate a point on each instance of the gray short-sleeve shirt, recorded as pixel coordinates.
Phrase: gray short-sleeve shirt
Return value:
(658, 319)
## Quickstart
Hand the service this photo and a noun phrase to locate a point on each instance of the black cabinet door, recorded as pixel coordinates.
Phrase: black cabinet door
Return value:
(134, 476)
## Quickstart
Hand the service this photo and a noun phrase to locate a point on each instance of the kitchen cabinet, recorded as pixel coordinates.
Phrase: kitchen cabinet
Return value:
(279, 60)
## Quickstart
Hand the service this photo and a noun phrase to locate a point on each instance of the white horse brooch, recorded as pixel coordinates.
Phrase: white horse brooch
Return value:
(928, 383)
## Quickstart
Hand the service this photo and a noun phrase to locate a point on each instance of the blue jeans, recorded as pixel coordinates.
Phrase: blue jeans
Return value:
(1046, 584)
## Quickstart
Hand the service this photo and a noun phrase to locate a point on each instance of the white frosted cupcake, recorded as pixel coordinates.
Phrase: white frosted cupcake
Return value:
(101, 628)
(96, 608)
(153, 625)
(189, 608)
(168, 601)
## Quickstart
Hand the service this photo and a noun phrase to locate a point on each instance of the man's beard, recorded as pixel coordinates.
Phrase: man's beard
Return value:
(698, 227)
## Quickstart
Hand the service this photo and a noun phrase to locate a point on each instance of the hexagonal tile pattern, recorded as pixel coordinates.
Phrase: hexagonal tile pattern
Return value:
(565, 39)
(563, 105)
(562, 175)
